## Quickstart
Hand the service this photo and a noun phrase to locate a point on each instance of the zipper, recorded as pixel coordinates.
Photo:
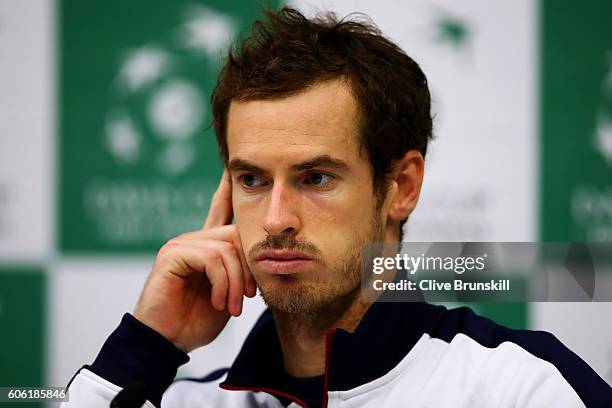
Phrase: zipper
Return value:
(329, 339)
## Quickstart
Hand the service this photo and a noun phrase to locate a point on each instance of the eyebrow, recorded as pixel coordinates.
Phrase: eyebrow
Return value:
(324, 160)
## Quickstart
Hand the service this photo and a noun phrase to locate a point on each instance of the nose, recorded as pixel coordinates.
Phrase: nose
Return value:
(281, 216)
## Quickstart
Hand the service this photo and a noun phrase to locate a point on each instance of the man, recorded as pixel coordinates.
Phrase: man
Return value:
(323, 127)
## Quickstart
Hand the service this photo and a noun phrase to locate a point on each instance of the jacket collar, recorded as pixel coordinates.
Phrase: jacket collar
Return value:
(386, 333)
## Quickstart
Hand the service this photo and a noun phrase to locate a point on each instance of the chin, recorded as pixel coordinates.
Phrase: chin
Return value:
(291, 296)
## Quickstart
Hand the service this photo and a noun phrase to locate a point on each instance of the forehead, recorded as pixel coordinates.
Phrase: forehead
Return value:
(320, 120)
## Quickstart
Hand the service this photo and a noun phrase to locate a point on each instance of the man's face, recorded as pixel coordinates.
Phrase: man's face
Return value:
(302, 195)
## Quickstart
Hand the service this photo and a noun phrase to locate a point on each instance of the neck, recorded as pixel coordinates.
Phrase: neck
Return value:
(302, 336)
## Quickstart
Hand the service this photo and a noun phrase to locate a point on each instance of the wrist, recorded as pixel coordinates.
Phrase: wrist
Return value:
(136, 352)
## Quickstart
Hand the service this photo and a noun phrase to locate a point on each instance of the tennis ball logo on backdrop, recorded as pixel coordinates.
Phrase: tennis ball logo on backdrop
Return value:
(153, 166)
(138, 160)
(156, 97)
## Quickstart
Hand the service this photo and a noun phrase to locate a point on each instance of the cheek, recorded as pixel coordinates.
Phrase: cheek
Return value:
(335, 224)
(347, 211)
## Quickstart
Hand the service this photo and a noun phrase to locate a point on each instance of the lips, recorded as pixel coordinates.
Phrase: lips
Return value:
(283, 262)
(282, 255)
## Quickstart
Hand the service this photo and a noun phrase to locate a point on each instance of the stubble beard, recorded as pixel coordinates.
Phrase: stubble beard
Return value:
(311, 302)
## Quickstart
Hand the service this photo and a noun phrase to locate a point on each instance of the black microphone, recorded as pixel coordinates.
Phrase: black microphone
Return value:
(133, 395)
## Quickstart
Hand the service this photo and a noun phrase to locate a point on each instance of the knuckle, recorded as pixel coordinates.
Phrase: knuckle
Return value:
(230, 248)
(167, 247)
(213, 257)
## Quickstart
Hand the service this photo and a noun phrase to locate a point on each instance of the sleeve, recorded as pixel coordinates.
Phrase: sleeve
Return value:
(133, 352)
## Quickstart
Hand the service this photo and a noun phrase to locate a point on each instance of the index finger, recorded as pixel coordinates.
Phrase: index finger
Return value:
(221, 211)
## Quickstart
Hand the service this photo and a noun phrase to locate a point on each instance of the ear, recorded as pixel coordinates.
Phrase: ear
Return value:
(406, 181)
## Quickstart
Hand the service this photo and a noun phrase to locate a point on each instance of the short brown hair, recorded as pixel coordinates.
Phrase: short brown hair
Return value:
(287, 52)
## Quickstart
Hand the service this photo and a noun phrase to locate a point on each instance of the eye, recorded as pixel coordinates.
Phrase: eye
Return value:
(250, 180)
(319, 179)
